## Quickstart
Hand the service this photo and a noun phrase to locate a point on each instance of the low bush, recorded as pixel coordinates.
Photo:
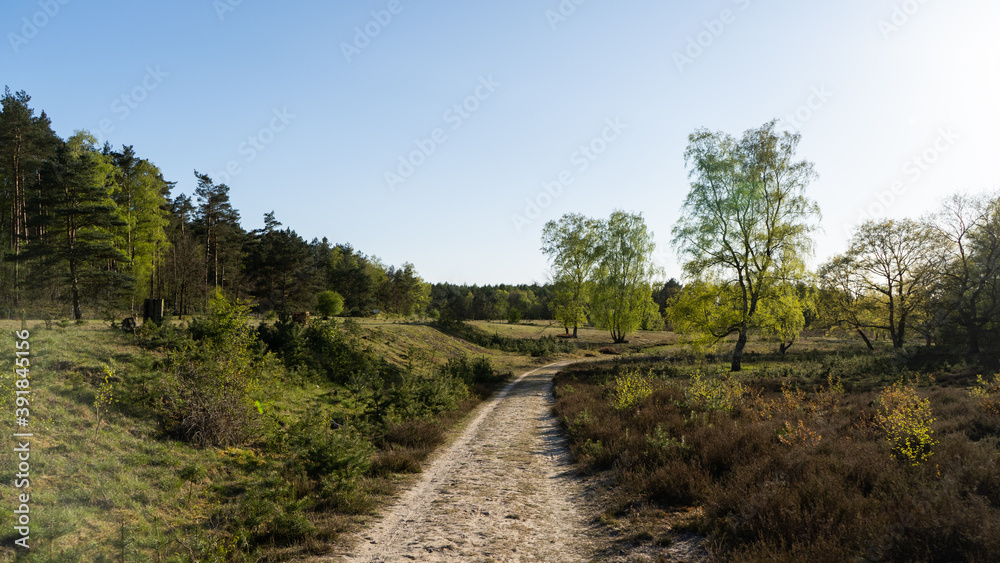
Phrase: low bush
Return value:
(214, 392)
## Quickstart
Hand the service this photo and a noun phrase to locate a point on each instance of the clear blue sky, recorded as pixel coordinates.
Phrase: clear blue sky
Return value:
(313, 127)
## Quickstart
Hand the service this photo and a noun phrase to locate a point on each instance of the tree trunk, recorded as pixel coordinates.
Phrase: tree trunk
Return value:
(973, 331)
(574, 331)
(741, 343)
(899, 335)
(865, 338)
(75, 289)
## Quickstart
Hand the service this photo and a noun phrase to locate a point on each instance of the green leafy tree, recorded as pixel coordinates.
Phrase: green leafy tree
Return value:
(969, 227)
(784, 315)
(746, 221)
(622, 294)
(354, 276)
(329, 304)
(568, 308)
(216, 390)
(141, 195)
(572, 247)
(520, 303)
(844, 300)
(403, 292)
(896, 264)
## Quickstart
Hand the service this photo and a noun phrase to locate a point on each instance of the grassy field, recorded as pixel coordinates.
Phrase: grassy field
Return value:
(586, 335)
(785, 461)
(123, 490)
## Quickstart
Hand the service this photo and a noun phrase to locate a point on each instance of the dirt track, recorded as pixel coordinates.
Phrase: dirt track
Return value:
(500, 492)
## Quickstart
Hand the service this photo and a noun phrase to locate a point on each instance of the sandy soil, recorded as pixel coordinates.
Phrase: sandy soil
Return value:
(503, 491)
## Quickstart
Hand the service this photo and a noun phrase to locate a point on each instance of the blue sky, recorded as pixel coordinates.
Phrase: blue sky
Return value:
(438, 132)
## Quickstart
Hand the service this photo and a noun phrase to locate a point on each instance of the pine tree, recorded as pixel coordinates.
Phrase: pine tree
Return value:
(219, 229)
(26, 141)
(74, 236)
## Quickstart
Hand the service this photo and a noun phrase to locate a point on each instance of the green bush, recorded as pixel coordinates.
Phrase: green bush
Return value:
(329, 304)
(213, 392)
(322, 451)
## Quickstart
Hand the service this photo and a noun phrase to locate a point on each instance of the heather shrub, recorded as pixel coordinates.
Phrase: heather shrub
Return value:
(784, 467)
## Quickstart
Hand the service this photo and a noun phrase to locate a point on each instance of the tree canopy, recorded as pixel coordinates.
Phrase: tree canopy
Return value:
(745, 223)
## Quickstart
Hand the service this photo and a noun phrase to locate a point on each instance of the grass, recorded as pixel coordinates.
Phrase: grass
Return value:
(128, 492)
(764, 466)
(85, 485)
(587, 336)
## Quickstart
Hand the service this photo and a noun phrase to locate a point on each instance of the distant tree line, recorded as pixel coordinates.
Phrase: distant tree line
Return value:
(491, 302)
(95, 229)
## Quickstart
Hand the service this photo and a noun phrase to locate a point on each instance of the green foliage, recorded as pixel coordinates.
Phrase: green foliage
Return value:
(622, 295)
(631, 388)
(783, 314)
(715, 393)
(339, 456)
(329, 304)
(987, 393)
(105, 396)
(478, 374)
(705, 310)
(572, 247)
(746, 221)
(570, 308)
(514, 316)
(322, 349)
(74, 241)
(138, 190)
(279, 269)
(906, 420)
(886, 277)
(211, 394)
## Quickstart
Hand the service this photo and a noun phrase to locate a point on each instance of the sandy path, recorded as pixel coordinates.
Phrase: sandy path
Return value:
(500, 492)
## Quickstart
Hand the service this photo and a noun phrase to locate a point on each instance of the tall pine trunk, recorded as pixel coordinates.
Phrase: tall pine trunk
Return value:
(75, 289)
